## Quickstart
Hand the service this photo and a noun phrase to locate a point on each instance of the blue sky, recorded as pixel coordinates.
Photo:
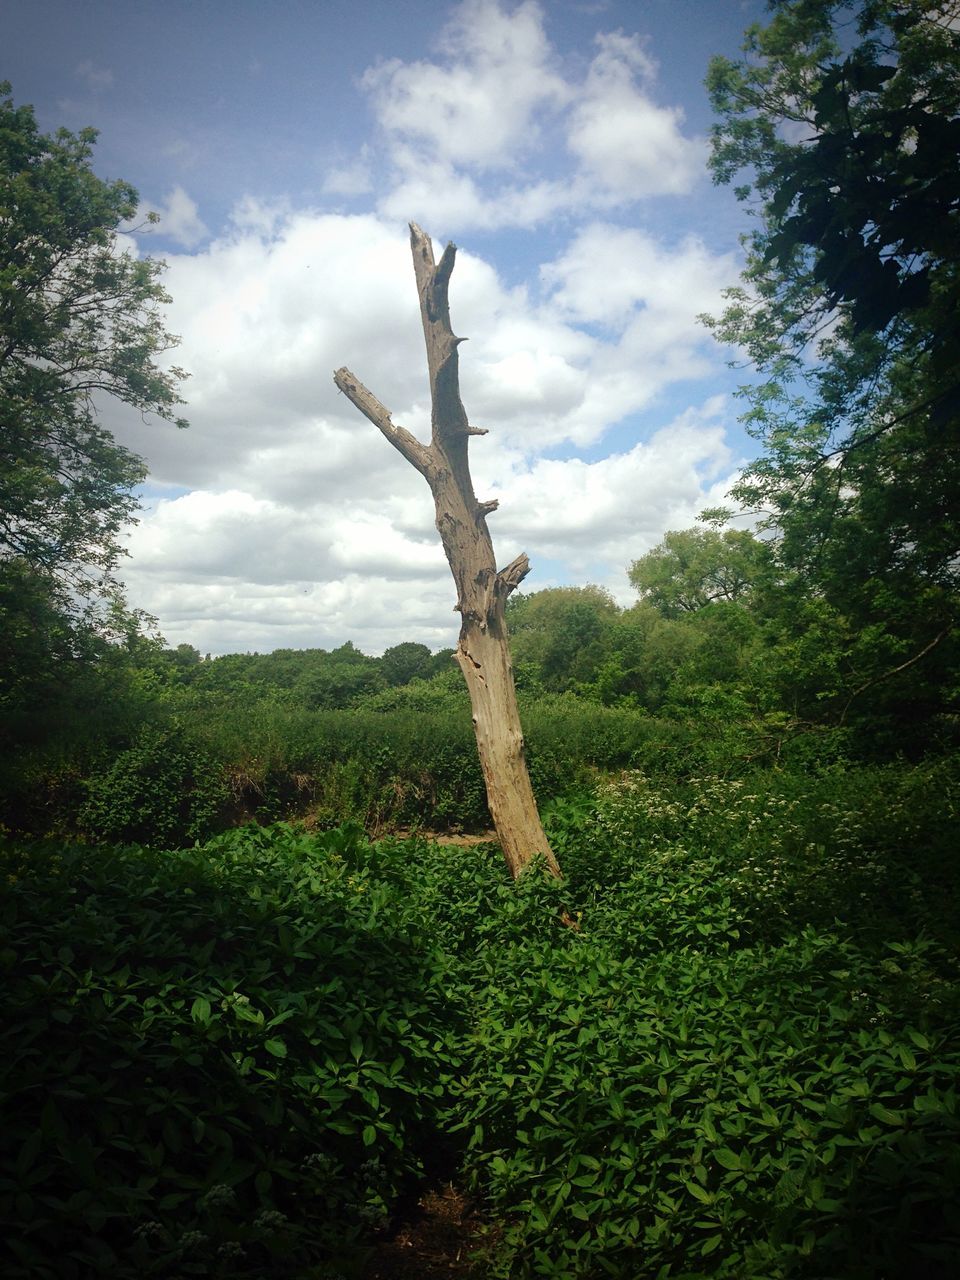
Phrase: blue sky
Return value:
(561, 144)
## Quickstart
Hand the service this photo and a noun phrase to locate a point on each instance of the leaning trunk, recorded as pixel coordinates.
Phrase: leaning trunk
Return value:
(483, 651)
(485, 663)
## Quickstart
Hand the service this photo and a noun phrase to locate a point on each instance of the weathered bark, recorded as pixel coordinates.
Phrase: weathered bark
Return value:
(482, 651)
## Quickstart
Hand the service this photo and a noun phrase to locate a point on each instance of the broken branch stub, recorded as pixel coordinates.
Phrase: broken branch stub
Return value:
(482, 650)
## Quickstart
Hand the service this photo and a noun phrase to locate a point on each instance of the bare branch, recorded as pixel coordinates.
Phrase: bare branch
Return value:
(896, 670)
(449, 418)
(416, 453)
(510, 577)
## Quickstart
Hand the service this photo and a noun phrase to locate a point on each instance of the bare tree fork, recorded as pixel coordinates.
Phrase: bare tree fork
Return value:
(482, 651)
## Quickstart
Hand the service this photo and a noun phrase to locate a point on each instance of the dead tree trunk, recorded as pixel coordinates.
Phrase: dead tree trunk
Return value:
(482, 591)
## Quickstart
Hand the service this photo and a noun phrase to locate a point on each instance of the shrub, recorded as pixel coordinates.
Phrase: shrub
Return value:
(723, 1046)
(164, 788)
(217, 1062)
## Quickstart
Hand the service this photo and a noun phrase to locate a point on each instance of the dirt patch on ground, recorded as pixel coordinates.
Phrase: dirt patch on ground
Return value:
(462, 838)
(443, 1238)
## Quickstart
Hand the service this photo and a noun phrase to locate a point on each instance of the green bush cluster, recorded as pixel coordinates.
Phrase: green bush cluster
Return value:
(721, 1047)
(217, 1062)
(183, 778)
(164, 789)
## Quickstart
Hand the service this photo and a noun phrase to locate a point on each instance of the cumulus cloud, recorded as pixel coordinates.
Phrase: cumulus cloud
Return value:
(476, 137)
(479, 106)
(352, 179)
(180, 219)
(268, 310)
(229, 570)
(605, 513)
(608, 272)
(291, 494)
(285, 519)
(627, 145)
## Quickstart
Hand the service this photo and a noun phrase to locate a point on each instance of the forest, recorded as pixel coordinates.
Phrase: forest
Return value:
(273, 1004)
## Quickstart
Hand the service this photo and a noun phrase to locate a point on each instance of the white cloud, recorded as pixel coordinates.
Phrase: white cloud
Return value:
(233, 535)
(180, 219)
(478, 108)
(231, 571)
(266, 313)
(624, 142)
(354, 178)
(607, 273)
(476, 138)
(293, 489)
(610, 511)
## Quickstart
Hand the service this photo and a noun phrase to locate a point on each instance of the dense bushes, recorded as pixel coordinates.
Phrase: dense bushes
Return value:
(216, 1062)
(734, 1058)
(186, 776)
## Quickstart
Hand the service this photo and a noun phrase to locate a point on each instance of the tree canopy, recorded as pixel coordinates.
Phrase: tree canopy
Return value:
(844, 127)
(692, 568)
(80, 326)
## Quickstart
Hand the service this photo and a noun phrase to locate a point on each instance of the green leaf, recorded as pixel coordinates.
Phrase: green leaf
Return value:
(698, 1192)
(277, 1047)
(885, 1115)
(342, 1126)
(727, 1158)
(907, 1058)
(200, 1010)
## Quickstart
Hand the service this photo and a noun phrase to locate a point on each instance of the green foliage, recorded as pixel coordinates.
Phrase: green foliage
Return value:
(163, 788)
(849, 311)
(722, 1047)
(221, 1062)
(443, 694)
(76, 317)
(692, 568)
(79, 321)
(561, 632)
(740, 1062)
(191, 762)
(857, 197)
(297, 677)
(407, 661)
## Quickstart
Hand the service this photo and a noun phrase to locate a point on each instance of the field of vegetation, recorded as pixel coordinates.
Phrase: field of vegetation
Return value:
(724, 1045)
(264, 1003)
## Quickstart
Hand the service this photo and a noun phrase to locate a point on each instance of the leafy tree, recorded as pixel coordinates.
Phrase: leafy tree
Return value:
(849, 308)
(560, 631)
(80, 326)
(642, 655)
(344, 675)
(692, 568)
(408, 661)
(846, 151)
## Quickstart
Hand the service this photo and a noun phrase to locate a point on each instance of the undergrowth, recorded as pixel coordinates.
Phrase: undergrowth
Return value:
(216, 762)
(722, 1046)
